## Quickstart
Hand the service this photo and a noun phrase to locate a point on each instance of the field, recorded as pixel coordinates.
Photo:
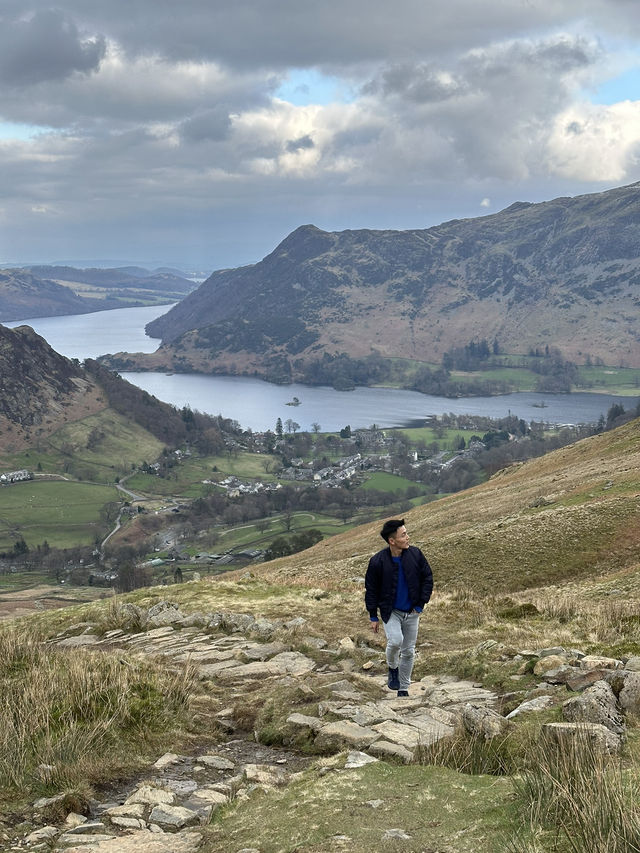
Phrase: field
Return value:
(99, 448)
(62, 513)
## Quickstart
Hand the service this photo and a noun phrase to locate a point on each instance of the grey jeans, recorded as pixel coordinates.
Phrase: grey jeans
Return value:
(402, 631)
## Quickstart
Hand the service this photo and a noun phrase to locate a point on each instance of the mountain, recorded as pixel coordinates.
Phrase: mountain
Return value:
(25, 295)
(43, 291)
(563, 273)
(41, 390)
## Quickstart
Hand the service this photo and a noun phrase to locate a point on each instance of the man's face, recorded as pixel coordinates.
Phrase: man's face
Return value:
(400, 538)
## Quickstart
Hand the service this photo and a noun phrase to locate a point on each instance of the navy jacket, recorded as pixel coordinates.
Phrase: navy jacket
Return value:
(381, 581)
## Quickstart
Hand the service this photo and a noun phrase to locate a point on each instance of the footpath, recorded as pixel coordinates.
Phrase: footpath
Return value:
(357, 717)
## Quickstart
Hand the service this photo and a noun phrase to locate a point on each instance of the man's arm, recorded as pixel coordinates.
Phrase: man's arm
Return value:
(371, 595)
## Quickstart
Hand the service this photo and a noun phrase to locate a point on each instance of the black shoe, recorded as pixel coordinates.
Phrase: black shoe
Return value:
(403, 692)
(394, 679)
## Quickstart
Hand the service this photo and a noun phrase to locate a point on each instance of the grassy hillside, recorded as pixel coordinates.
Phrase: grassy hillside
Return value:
(572, 514)
(558, 534)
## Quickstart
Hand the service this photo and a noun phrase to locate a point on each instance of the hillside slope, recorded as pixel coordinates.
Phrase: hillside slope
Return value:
(563, 273)
(41, 390)
(573, 514)
(50, 291)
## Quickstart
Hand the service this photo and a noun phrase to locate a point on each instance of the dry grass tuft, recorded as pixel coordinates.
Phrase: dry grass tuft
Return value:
(77, 713)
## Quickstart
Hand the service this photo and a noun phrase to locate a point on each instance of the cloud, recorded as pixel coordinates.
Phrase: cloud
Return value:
(46, 46)
(171, 130)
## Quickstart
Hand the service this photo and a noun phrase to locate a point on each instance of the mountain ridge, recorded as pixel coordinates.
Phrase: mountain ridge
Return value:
(562, 273)
(49, 291)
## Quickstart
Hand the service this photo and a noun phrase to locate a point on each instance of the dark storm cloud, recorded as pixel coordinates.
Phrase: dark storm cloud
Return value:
(45, 46)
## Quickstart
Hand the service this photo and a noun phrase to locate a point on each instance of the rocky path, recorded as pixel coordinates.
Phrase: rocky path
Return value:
(356, 714)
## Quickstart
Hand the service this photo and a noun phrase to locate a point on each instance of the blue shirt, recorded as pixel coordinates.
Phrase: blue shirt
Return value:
(402, 602)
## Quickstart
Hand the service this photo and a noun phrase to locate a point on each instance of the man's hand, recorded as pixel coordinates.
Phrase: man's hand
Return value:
(375, 626)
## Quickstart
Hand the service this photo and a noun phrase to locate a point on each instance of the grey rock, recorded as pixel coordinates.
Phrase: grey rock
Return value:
(595, 662)
(552, 650)
(151, 795)
(79, 641)
(596, 705)
(549, 663)
(630, 694)
(581, 679)
(147, 842)
(216, 761)
(304, 721)
(562, 675)
(357, 759)
(83, 841)
(42, 834)
(265, 774)
(600, 736)
(134, 810)
(385, 749)
(539, 703)
(93, 827)
(128, 822)
(262, 651)
(173, 817)
(399, 834)
(161, 616)
(633, 664)
(352, 733)
(297, 622)
(167, 760)
(484, 722)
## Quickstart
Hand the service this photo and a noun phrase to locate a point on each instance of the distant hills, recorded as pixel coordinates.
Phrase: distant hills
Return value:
(43, 291)
(563, 273)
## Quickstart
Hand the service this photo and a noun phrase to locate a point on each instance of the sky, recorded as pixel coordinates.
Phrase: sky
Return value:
(199, 134)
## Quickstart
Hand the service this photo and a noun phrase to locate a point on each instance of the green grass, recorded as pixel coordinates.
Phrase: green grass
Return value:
(62, 513)
(185, 479)
(613, 380)
(387, 482)
(122, 444)
(438, 808)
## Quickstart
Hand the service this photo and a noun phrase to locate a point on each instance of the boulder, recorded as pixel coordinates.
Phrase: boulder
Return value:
(598, 735)
(150, 795)
(386, 749)
(595, 662)
(146, 842)
(596, 705)
(173, 817)
(630, 694)
(539, 703)
(304, 721)
(164, 613)
(581, 679)
(484, 722)
(351, 733)
(548, 663)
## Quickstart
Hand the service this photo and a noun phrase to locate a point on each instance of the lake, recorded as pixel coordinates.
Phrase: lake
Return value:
(257, 404)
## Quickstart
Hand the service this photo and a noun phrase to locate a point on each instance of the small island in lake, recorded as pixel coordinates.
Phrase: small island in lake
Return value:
(294, 402)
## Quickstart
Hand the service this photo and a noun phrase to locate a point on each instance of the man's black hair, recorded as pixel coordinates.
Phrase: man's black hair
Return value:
(390, 527)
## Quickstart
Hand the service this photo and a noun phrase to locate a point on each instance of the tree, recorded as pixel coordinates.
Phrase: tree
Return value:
(315, 426)
(345, 432)
(279, 427)
(291, 425)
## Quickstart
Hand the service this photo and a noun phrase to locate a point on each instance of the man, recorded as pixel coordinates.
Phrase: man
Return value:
(399, 584)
